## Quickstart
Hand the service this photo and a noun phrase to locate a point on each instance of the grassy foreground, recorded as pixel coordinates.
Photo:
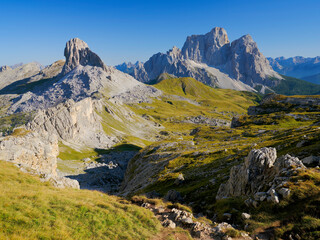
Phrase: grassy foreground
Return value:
(30, 209)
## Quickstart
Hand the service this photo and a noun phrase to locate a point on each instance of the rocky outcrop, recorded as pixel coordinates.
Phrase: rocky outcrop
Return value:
(5, 68)
(88, 77)
(36, 154)
(78, 53)
(206, 121)
(31, 150)
(75, 122)
(143, 167)
(260, 171)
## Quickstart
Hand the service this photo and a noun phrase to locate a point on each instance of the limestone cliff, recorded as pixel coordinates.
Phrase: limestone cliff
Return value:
(31, 150)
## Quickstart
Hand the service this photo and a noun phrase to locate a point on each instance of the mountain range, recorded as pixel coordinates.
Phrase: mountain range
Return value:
(214, 60)
(299, 67)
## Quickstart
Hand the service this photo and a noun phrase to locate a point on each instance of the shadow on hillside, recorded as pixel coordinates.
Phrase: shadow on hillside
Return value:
(24, 85)
(107, 172)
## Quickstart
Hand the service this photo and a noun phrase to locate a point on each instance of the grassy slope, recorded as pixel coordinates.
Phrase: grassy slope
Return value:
(294, 86)
(223, 99)
(172, 107)
(206, 163)
(30, 209)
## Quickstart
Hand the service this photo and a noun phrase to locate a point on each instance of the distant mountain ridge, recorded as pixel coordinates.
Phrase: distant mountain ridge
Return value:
(213, 60)
(299, 67)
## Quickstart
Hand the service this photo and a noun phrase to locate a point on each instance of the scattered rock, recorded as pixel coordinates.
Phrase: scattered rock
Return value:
(285, 192)
(274, 196)
(168, 223)
(173, 196)
(245, 216)
(311, 161)
(179, 179)
(227, 216)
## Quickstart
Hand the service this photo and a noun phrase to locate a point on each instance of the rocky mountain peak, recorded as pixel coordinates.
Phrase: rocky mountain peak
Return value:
(219, 36)
(210, 48)
(77, 52)
(175, 52)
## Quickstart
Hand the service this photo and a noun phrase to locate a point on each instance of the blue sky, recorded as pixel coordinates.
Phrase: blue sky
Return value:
(121, 31)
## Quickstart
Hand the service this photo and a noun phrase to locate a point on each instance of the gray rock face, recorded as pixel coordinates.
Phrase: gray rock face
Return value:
(247, 63)
(174, 63)
(31, 150)
(22, 72)
(37, 154)
(75, 122)
(211, 59)
(241, 59)
(211, 48)
(5, 68)
(77, 53)
(260, 169)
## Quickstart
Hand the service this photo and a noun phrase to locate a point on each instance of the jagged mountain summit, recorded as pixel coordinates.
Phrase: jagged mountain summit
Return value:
(77, 53)
(299, 67)
(213, 60)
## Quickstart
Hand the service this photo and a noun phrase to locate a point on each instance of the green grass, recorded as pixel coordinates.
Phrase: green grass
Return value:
(186, 97)
(214, 150)
(222, 99)
(30, 209)
(8, 123)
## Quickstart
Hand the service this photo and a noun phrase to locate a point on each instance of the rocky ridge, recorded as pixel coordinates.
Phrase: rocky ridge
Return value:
(22, 72)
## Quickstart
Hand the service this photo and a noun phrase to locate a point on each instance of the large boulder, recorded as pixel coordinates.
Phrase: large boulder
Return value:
(260, 170)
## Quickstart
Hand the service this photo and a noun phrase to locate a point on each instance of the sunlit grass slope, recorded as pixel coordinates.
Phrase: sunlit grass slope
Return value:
(222, 99)
(30, 209)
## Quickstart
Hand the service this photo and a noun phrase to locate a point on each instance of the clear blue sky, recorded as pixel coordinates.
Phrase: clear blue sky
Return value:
(134, 30)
